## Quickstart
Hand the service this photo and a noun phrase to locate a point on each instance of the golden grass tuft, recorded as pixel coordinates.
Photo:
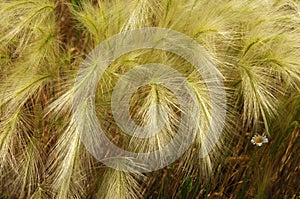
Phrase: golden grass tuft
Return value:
(256, 46)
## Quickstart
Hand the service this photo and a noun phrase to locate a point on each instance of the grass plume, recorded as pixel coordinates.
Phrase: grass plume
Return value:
(254, 44)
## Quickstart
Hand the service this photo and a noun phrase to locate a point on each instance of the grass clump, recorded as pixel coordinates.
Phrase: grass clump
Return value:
(255, 45)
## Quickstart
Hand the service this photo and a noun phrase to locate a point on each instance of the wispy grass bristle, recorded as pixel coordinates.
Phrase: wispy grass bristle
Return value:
(254, 44)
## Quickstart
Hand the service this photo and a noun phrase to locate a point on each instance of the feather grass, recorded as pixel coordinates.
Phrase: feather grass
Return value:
(65, 166)
(20, 17)
(118, 184)
(255, 44)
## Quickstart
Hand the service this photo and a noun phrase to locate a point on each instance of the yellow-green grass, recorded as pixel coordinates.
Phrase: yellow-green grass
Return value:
(254, 43)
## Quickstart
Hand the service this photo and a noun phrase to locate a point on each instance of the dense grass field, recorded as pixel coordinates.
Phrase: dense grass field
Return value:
(254, 44)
